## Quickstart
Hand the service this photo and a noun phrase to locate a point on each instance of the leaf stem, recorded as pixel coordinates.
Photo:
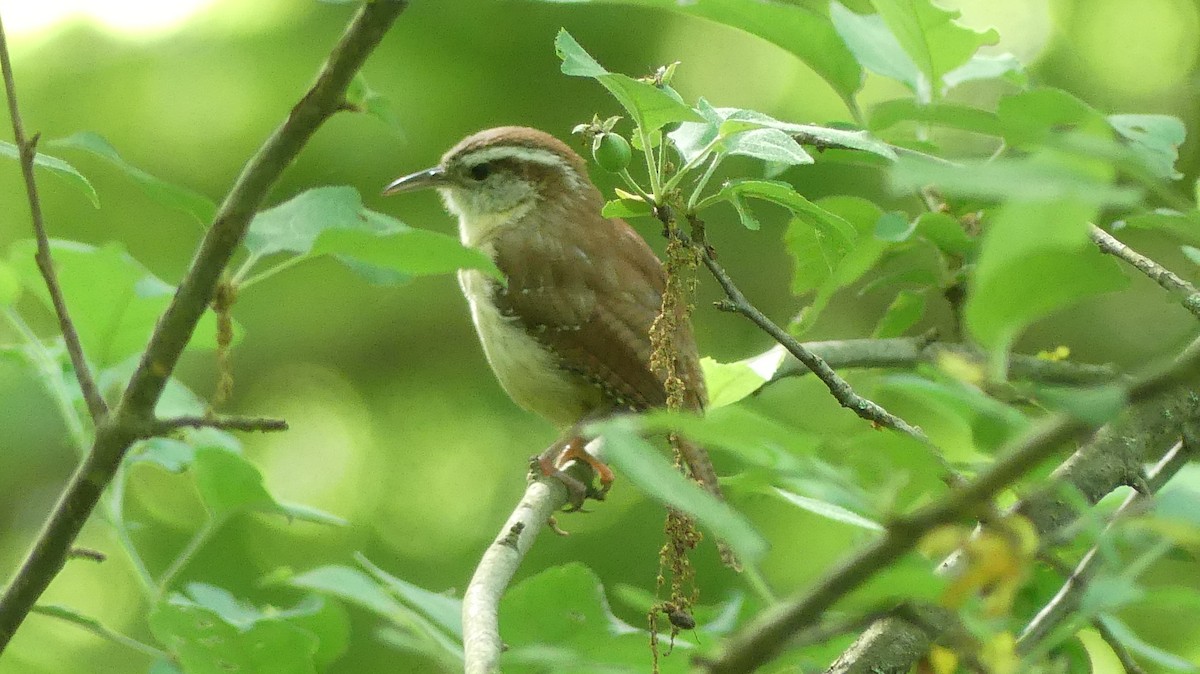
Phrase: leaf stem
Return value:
(102, 631)
(52, 378)
(116, 516)
(702, 183)
(197, 541)
(656, 187)
(268, 272)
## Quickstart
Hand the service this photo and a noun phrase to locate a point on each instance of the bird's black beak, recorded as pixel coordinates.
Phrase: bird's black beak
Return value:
(420, 180)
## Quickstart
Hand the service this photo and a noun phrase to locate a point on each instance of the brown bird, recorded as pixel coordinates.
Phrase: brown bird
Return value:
(569, 336)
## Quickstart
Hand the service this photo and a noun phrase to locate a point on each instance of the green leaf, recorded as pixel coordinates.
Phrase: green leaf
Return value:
(894, 226)
(988, 67)
(874, 46)
(228, 483)
(169, 453)
(1095, 405)
(1191, 253)
(10, 285)
(991, 421)
(200, 207)
(444, 611)
(1031, 117)
(901, 314)
(736, 119)
(626, 208)
(950, 115)
(754, 438)
(658, 479)
(55, 166)
(229, 636)
(1034, 259)
(1032, 178)
(798, 29)
(828, 510)
(114, 301)
(1155, 139)
(1138, 645)
(650, 107)
(736, 192)
(728, 383)
(936, 42)
(408, 252)
(294, 225)
(360, 97)
(946, 233)
(767, 144)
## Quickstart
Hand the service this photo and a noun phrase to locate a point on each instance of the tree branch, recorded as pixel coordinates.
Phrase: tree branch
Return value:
(28, 151)
(481, 602)
(765, 636)
(912, 351)
(1112, 458)
(838, 386)
(118, 430)
(228, 423)
(1188, 294)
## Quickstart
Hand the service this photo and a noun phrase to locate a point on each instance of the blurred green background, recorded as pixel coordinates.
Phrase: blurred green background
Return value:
(397, 424)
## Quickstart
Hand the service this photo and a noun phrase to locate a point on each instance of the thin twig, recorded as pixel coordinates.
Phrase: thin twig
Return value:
(126, 424)
(481, 602)
(764, 637)
(227, 423)
(1119, 649)
(1189, 295)
(28, 150)
(839, 387)
(101, 630)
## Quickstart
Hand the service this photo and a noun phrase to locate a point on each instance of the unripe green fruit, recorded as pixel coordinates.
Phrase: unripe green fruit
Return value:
(612, 152)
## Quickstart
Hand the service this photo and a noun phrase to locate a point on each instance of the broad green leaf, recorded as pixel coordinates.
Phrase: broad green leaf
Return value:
(1031, 117)
(360, 97)
(894, 226)
(901, 314)
(1035, 258)
(1096, 404)
(754, 438)
(649, 106)
(770, 145)
(200, 207)
(626, 208)
(228, 483)
(735, 118)
(950, 115)
(991, 421)
(55, 166)
(946, 233)
(169, 453)
(207, 642)
(1155, 139)
(736, 192)
(805, 32)
(410, 252)
(937, 43)
(728, 383)
(114, 301)
(988, 67)
(1033, 179)
(294, 225)
(444, 611)
(828, 510)
(657, 478)
(558, 604)
(1183, 226)
(875, 47)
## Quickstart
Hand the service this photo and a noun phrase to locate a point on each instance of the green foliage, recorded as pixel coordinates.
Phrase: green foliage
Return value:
(57, 167)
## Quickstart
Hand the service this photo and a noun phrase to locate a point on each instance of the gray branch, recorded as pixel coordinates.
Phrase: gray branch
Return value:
(134, 414)
(1188, 294)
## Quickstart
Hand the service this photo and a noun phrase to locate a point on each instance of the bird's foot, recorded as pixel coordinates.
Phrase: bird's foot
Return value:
(552, 461)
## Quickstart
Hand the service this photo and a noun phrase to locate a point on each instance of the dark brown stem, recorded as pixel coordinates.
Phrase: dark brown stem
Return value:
(127, 423)
(761, 640)
(28, 150)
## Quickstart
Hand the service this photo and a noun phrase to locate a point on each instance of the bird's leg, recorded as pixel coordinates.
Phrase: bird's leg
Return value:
(576, 450)
(573, 448)
(546, 465)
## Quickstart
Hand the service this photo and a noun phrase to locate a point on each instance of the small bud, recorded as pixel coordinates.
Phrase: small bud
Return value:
(612, 152)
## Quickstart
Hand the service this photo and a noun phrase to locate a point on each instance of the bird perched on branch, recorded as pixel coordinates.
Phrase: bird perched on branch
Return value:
(569, 335)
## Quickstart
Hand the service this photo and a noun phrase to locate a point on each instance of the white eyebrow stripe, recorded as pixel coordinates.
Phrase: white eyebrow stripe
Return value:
(521, 153)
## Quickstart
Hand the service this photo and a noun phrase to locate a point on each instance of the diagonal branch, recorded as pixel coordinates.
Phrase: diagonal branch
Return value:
(1188, 294)
(128, 422)
(766, 636)
(28, 150)
(228, 423)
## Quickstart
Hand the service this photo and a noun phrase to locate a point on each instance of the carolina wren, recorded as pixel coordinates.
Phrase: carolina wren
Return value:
(569, 337)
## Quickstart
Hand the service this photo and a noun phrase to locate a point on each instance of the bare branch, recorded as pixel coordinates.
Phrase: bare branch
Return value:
(1189, 295)
(481, 602)
(227, 423)
(764, 637)
(126, 424)
(28, 150)
(838, 386)
(1131, 666)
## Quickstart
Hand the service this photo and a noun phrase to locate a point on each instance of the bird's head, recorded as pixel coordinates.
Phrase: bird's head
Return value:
(497, 176)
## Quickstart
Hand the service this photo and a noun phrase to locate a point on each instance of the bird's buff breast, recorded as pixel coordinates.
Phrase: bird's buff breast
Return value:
(527, 371)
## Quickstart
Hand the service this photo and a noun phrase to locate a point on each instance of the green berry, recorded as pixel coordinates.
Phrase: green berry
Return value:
(611, 151)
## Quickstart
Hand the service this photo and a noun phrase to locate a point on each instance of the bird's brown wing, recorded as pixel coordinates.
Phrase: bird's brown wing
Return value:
(591, 298)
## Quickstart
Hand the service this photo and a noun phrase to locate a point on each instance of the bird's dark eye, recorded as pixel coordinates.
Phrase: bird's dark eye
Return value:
(480, 171)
